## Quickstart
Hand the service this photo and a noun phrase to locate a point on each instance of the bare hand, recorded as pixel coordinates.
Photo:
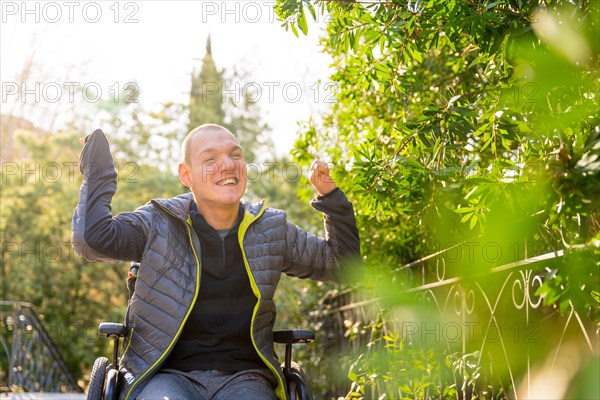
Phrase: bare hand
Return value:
(319, 177)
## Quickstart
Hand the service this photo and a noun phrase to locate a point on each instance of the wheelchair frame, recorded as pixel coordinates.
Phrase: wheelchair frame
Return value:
(105, 378)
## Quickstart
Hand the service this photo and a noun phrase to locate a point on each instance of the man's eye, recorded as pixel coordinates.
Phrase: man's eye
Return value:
(236, 156)
(210, 160)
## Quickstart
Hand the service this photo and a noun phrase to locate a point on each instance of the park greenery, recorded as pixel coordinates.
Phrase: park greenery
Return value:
(457, 124)
(461, 123)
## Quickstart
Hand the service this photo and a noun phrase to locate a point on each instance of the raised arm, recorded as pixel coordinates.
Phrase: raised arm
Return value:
(335, 257)
(97, 235)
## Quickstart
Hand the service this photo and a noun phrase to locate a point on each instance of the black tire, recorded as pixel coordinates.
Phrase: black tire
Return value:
(297, 381)
(96, 387)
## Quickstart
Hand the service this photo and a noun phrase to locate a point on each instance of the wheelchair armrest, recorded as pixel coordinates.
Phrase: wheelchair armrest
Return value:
(293, 336)
(112, 329)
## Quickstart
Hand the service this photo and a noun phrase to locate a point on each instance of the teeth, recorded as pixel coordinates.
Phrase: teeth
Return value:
(229, 181)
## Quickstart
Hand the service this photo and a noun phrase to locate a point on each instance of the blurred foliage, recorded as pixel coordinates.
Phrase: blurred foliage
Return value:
(461, 124)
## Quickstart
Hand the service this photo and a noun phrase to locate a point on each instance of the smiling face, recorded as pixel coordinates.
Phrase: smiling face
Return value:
(214, 169)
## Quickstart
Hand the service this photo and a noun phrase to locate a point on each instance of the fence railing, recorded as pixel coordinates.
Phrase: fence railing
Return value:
(498, 322)
(30, 361)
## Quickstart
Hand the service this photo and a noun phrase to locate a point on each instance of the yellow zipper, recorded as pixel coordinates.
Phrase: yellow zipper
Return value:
(128, 343)
(188, 225)
(244, 225)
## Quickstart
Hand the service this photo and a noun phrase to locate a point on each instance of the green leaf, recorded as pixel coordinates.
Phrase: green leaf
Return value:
(464, 111)
(311, 9)
(486, 144)
(294, 30)
(473, 222)
(302, 22)
(452, 100)
(352, 376)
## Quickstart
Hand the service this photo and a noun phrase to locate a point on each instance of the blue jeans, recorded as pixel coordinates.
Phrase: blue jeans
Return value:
(168, 384)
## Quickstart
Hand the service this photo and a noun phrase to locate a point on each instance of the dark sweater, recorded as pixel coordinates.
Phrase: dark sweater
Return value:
(217, 333)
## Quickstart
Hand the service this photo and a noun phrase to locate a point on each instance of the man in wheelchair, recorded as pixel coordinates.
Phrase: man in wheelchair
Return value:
(200, 323)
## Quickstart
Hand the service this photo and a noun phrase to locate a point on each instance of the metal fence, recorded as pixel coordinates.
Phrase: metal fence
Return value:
(30, 361)
(494, 324)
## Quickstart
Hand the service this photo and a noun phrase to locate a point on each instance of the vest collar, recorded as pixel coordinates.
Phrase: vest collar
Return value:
(180, 206)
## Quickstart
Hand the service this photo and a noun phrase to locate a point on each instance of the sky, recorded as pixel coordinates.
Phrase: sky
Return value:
(104, 45)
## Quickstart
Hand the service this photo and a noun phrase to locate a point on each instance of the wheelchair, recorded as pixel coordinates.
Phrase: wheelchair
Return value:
(105, 378)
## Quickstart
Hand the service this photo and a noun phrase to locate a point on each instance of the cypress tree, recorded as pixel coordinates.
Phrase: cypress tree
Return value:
(206, 100)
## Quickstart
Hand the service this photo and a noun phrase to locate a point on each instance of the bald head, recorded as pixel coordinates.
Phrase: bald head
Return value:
(186, 147)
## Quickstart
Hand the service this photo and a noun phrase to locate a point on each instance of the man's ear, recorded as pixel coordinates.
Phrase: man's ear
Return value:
(185, 175)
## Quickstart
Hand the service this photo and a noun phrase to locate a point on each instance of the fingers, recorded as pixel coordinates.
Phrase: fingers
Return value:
(320, 177)
(318, 172)
(83, 140)
(319, 167)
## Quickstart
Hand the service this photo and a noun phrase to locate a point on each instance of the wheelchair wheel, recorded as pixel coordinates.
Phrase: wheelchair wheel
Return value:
(96, 387)
(297, 383)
